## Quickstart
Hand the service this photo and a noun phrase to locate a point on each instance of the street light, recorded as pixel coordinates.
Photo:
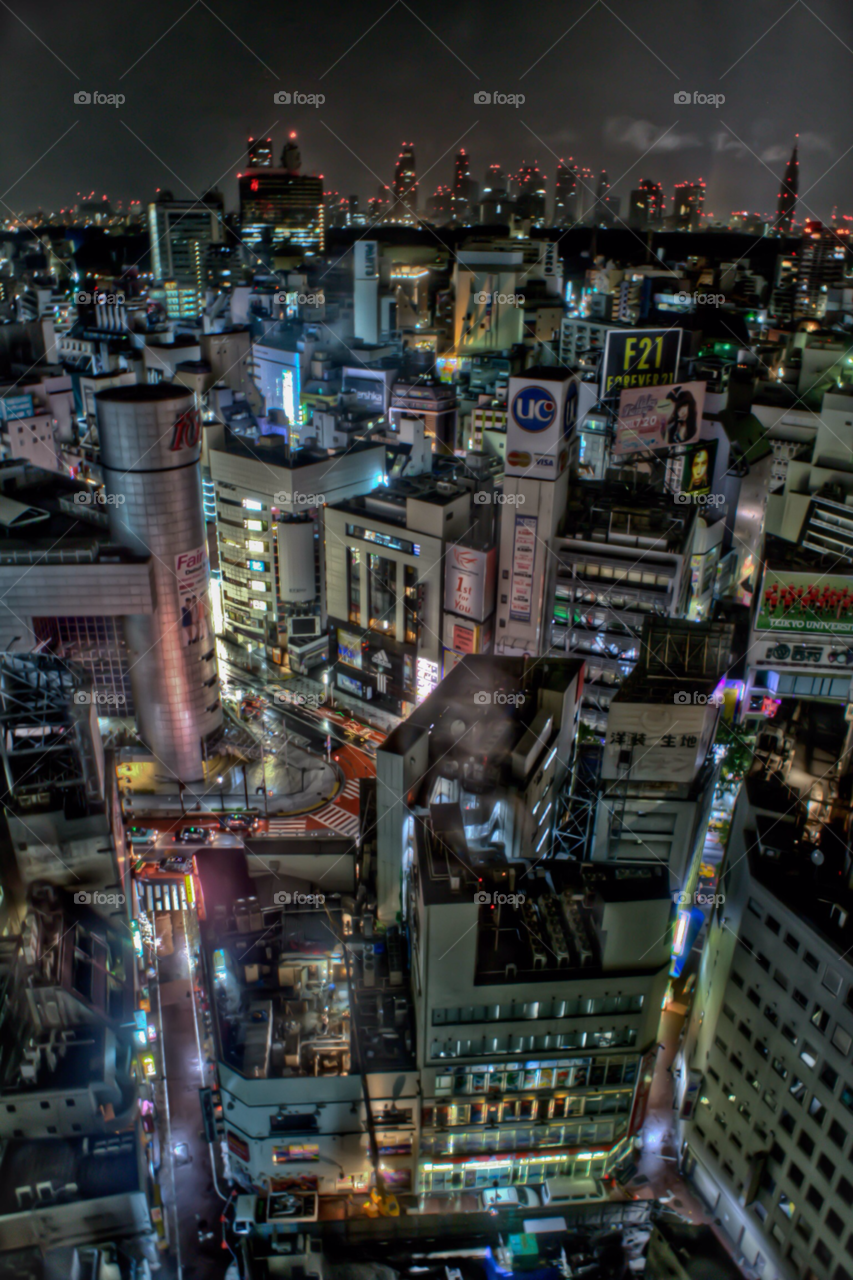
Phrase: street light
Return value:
(219, 782)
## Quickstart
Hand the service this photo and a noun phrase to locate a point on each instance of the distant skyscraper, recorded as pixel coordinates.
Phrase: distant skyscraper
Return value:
(260, 153)
(531, 194)
(461, 170)
(495, 181)
(495, 205)
(787, 199)
(464, 189)
(688, 200)
(405, 187)
(646, 208)
(283, 205)
(566, 194)
(602, 212)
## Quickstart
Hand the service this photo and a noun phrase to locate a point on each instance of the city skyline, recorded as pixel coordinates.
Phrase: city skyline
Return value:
(346, 137)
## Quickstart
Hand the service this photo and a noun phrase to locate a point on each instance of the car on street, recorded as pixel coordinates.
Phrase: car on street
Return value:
(240, 822)
(509, 1198)
(181, 863)
(195, 835)
(141, 835)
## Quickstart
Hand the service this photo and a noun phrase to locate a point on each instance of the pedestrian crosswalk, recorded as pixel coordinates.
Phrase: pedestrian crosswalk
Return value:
(338, 819)
(286, 826)
(352, 790)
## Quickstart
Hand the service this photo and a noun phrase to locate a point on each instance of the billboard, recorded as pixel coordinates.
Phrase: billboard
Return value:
(469, 582)
(541, 416)
(697, 471)
(658, 417)
(806, 603)
(635, 358)
(652, 742)
(369, 391)
(192, 575)
(523, 561)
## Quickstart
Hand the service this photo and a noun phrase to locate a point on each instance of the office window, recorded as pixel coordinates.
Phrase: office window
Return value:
(761, 959)
(730, 1013)
(832, 981)
(837, 1134)
(834, 1223)
(780, 980)
(770, 1099)
(721, 1044)
(789, 1033)
(817, 1110)
(737, 979)
(791, 943)
(845, 1190)
(772, 924)
(736, 1062)
(796, 1174)
(382, 594)
(808, 1054)
(805, 1143)
(760, 1047)
(826, 1167)
(829, 1077)
(797, 1090)
(822, 1254)
(787, 1121)
(841, 1040)
(847, 1096)
(811, 961)
(771, 1015)
(754, 907)
(801, 998)
(754, 996)
(780, 1068)
(820, 1018)
(814, 1198)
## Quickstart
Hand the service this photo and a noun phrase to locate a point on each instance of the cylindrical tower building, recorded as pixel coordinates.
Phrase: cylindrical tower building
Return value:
(150, 441)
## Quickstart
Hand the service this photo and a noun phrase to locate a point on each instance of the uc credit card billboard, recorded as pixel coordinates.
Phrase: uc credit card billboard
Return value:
(635, 358)
(542, 413)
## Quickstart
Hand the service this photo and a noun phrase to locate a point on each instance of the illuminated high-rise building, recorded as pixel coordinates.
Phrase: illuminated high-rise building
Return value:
(531, 194)
(281, 206)
(688, 199)
(495, 205)
(150, 446)
(786, 201)
(464, 188)
(403, 207)
(601, 212)
(259, 153)
(566, 194)
(647, 205)
(180, 233)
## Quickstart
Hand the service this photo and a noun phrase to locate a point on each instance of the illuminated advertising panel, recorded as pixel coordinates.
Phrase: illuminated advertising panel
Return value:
(806, 604)
(635, 358)
(658, 417)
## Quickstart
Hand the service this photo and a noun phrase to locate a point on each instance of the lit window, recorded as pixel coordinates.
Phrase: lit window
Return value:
(255, 546)
(260, 604)
(258, 586)
(251, 505)
(255, 525)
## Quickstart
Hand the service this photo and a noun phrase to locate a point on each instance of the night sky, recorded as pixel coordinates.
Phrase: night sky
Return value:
(601, 93)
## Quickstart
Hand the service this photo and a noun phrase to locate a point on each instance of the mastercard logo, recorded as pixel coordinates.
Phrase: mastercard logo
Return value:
(518, 459)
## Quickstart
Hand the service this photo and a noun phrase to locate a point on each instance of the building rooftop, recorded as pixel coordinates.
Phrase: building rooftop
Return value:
(298, 994)
(36, 1175)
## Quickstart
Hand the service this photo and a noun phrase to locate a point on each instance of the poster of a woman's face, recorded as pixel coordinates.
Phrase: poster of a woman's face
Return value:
(682, 423)
(698, 469)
